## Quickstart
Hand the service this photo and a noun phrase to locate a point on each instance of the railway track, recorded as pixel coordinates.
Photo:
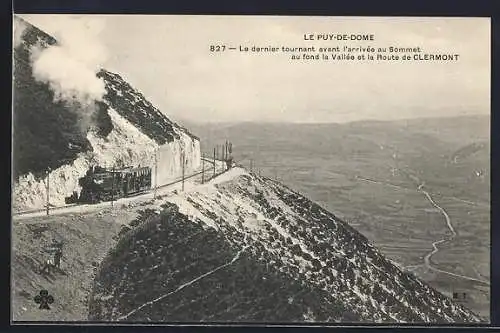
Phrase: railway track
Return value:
(68, 207)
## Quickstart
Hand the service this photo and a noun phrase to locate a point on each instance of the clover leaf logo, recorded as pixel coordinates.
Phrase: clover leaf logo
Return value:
(44, 299)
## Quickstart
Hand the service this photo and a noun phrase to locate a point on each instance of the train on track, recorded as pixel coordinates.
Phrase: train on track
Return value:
(101, 184)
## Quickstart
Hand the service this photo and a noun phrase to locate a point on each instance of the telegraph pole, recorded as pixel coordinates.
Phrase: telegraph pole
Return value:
(203, 168)
(183, 167)
(112, 184)
(226, 150)
(156, 172)
(230, 155)
(251, 165)
(214, 162)
(48, 188)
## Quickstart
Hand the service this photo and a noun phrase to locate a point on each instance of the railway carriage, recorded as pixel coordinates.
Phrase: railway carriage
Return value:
(100, 184)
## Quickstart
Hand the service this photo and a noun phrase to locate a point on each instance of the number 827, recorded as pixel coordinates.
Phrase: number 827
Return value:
(217, 48)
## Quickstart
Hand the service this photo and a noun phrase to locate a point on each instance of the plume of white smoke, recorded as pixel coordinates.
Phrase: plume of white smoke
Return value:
(18, 30)
(71, 79)
(70, 67)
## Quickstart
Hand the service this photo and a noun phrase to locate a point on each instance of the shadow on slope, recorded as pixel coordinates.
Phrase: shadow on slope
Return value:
(169, 251)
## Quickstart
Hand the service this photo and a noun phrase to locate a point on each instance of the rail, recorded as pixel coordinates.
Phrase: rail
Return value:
(210, 175)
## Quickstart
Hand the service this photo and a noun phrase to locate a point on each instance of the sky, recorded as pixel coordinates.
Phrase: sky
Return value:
(168, 59)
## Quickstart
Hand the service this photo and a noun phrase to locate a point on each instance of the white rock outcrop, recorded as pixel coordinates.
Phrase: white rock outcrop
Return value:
(124, 146)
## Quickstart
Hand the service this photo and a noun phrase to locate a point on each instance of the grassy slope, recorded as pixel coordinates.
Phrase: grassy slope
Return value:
(168, 250)
(87, 238)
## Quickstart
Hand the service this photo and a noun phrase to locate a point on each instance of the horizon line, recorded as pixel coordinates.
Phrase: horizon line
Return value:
(278, 122)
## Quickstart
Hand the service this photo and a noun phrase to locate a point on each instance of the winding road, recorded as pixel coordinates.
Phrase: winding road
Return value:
(427, 258)
(435, 249)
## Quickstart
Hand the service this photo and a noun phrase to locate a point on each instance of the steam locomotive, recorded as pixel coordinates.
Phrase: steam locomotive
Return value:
(101, 184)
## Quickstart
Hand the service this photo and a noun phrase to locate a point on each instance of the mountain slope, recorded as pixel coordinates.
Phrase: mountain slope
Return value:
(60, 131)
(134, 107)
(220, 251)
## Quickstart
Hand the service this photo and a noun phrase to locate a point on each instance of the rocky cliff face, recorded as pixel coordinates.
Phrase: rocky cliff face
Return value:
(58, 135)
(249, 249)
